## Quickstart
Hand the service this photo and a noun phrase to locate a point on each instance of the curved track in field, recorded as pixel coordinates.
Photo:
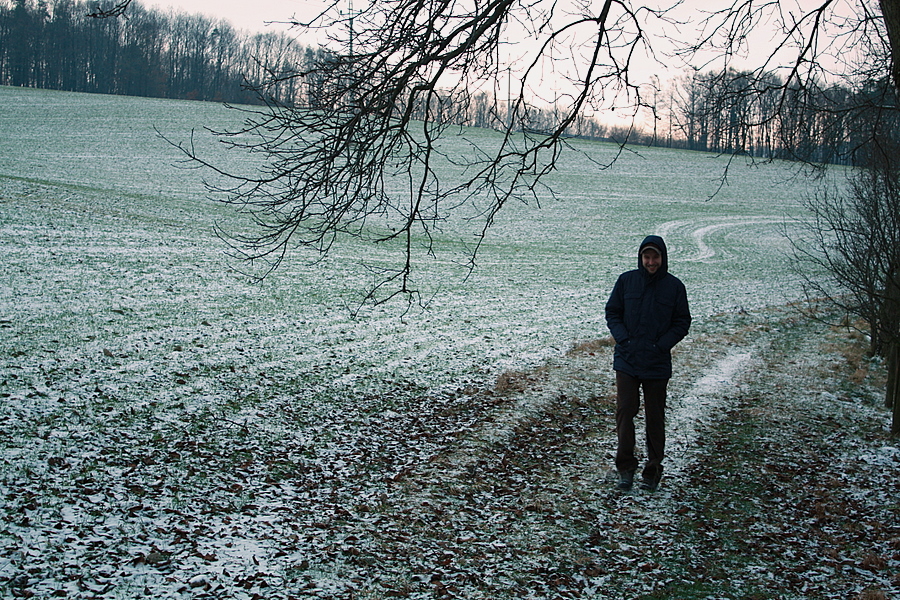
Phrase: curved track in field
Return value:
(700, 240)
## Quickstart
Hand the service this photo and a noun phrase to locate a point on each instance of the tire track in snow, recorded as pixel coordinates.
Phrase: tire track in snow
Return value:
(689, 412)
(694, 230)
(700, 406)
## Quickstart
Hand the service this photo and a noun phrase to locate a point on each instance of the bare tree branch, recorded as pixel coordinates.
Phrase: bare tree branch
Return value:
(360, 155)
(389, 94)
(106, 13)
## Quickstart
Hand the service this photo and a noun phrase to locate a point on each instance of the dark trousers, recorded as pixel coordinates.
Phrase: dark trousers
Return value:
(628, 401)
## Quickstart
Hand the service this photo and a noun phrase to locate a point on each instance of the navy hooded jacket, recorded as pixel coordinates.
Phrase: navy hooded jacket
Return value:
(647, 315)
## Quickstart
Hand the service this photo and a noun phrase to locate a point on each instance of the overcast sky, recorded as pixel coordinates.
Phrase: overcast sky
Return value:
(250, 15)
(253, 15)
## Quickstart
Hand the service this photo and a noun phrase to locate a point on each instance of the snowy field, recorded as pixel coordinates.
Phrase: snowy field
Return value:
(159, 411)
(108, 246)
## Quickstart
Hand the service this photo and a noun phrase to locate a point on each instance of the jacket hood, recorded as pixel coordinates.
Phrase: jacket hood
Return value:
(654, 240)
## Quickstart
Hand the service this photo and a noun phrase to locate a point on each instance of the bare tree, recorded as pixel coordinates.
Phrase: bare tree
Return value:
(852, 239)
(890, 9)
(399, 72)
(855, 236)
(850, 254)
(404, 72)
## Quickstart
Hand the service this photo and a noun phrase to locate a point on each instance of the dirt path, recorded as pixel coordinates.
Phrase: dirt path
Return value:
(780, 483)
(768, 492)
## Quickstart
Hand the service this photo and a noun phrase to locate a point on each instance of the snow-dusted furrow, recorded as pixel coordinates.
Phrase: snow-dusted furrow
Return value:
(700, 248)
(701, 405)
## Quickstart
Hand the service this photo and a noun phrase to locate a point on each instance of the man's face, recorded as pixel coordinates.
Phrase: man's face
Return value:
(651, 260)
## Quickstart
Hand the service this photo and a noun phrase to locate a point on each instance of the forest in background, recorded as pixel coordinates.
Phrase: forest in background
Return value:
(54, 44)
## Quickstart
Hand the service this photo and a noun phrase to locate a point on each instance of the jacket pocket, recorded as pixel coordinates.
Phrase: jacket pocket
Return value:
(631, 315)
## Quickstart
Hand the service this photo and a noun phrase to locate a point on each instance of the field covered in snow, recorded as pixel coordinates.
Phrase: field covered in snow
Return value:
(108, 240)
(171, 429)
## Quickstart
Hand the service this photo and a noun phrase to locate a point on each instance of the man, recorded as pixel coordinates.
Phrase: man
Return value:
(647, 314)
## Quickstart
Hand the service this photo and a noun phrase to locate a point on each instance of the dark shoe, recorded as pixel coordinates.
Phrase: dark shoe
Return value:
(626, 480)
(651, 476)
(650, 485)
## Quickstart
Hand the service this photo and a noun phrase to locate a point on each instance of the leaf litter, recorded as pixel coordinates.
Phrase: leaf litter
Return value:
(170, 431)
(784, 487)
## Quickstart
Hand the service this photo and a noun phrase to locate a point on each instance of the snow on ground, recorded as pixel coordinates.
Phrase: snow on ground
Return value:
(169, 430)
(701, 405)
(495, 492)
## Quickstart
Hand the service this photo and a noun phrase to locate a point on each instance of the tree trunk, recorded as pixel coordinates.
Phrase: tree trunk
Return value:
(892, 396)
(892, 303)
(891, 11)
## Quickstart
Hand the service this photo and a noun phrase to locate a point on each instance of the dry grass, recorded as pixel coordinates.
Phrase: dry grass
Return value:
(850, 341)
(516, 382)
(591, 346)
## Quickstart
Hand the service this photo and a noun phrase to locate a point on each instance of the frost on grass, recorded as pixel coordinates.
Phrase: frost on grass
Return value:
(169, 430)
(289, 488)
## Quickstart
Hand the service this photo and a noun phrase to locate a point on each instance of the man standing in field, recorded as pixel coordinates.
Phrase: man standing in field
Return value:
(647, 314)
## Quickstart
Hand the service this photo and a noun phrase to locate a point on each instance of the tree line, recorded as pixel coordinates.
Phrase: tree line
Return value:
(735, 112)
(54, 44)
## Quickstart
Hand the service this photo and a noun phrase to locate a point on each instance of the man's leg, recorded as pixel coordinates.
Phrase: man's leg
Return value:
(628, 401)
(655, 413)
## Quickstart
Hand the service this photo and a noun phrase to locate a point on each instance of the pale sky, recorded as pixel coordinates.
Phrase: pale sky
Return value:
(253, 15)
(249, 15)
